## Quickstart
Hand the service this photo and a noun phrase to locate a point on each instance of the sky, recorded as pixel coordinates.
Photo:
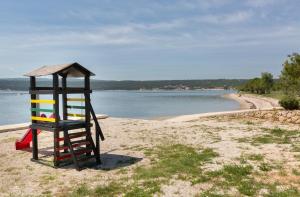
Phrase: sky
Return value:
(150, 40)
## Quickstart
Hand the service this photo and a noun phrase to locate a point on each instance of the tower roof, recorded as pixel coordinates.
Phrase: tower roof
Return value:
(69, 70)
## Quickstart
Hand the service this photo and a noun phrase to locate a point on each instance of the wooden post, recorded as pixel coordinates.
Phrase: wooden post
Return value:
(33, 113)
(64, 106)
(87, 109)
(56, 114)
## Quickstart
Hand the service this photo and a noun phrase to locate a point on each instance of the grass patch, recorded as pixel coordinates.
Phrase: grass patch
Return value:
(291, 192)
(295, 172)
(275, 94)
(233, 176)
(265, 167)
(185, 163)
(45, 179)
(273, 136)
(112, 189)
(81, 191)
(255, 157)
(241, 177)
(175, 159)
(167, 161)
(249, 123)
(244, 140)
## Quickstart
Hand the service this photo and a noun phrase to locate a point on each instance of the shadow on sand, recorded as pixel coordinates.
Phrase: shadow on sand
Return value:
(109, 161)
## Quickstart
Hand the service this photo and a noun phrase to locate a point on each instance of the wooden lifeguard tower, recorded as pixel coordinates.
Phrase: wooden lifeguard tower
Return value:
(72, 137)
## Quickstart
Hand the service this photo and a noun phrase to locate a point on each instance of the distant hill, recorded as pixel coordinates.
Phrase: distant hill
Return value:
(23, 84)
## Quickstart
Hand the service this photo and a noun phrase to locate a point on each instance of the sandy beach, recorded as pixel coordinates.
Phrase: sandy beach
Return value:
(248, 101)
(136, 159)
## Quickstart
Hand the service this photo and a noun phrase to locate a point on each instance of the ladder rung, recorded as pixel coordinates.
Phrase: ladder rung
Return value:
(76, 152)
(60, 139)
(79, 141)
(74, 145)
(75, 135)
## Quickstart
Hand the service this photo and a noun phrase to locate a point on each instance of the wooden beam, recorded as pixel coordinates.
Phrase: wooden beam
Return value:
(87, 111)
(75, 107)
(64, 108)
(60, 91)
(56, 114)
(33, 113)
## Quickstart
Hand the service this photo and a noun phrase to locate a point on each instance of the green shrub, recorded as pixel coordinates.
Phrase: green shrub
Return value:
(289, 102)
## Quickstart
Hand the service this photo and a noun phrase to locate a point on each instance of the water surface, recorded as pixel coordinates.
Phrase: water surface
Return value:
(15, 106)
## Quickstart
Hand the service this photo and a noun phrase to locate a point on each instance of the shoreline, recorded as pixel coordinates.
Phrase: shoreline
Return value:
(251, 101)
(244, 104)
(247, 102)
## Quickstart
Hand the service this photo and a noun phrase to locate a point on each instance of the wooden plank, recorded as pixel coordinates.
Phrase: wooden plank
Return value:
(42, 101)
(41, 110)
(42, 119)
(60, 91)
(76, 115)
(76, 99)
(65, 147)
(68, 155)
(76, 135)
(75, 107)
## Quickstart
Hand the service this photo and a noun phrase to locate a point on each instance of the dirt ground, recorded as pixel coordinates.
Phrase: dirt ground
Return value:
(237, 144)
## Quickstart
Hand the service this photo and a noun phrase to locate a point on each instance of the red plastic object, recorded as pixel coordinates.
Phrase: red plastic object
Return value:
(25, 141)
(27, 138)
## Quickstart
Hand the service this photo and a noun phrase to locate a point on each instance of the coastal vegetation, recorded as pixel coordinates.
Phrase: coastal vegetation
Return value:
(261, 85)
(22, 84)
(286, 88)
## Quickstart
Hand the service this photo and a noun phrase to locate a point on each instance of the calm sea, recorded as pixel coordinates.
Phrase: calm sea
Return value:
(15, 106)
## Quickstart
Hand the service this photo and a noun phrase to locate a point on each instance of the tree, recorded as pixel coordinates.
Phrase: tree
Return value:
(290, 75)
(261, 85)
(267, 82)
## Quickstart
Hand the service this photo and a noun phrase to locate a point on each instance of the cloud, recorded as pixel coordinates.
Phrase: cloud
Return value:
(231, 18)
(137, 35)
(200, 29)
(262, 3)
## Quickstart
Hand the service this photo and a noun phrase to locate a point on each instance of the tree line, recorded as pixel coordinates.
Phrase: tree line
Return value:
(23, 84)
(288, 82)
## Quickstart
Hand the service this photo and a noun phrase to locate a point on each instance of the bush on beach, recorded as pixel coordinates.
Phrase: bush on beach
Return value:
(289, 103)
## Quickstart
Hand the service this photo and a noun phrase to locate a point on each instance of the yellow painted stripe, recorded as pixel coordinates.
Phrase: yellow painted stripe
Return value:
(75, 99)
(43, 101)
(76, 115)
(42, 119)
